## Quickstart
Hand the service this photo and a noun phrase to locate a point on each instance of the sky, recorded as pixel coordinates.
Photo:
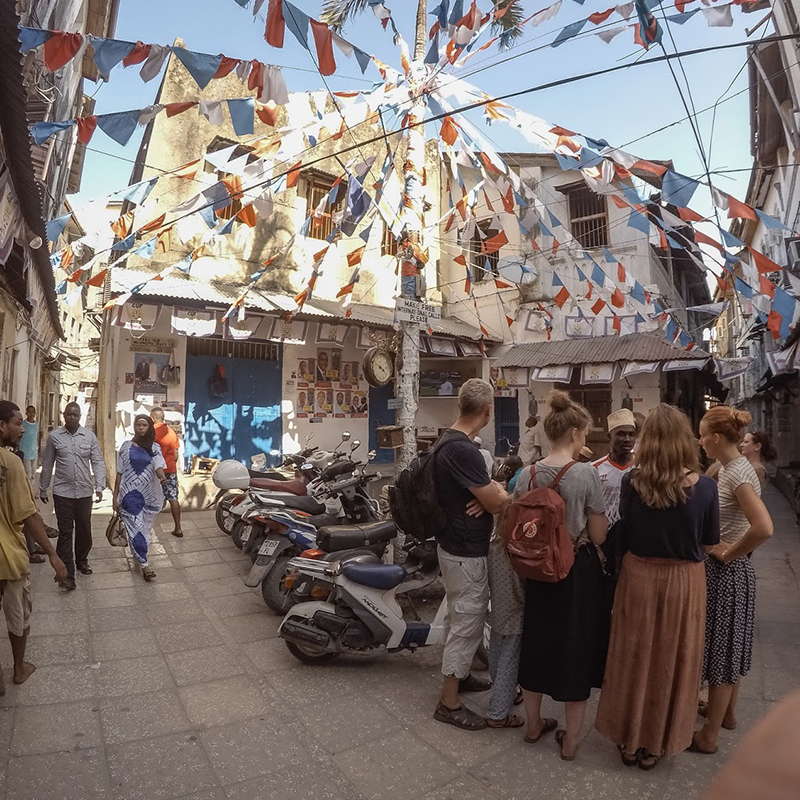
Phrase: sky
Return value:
(624, 108)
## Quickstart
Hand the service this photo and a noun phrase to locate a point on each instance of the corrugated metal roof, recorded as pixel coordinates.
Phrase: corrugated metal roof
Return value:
(179, 287)
(596, 350)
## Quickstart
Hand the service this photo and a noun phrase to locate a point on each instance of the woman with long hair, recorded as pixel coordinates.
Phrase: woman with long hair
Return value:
(757, 448)
(138, 493)
(565, 625)
(669, 514)
(744, 525)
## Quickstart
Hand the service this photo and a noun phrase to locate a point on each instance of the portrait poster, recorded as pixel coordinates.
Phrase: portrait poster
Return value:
(343, 399)
(305, 403)
(147, 369)
(327, 368)
(323, 402)
(306, 372)
(360, 404)
(348, 376)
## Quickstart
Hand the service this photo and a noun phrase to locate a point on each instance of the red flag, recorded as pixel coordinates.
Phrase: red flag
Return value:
(187, 171)
(348, 289)
(460, 259)
(687, 215)
(173, 109)
(449, 132)
(75, 275)
(601, 16)
(98, 279)
(226, 66)
(617, 299)
(598, 306)
(86, 127)
(559, 131)
(255, 80)
(467, 284)
(649, 166)
(723, 286)
(774, 321)
(590, 292)
(561, 297)
(619, 202)
(67, 257)
(739, 210)
(621, 276)
(122, 225)
(763, 264)
(701, 238)
(293, 175)
(268, 114)
(276, 27)
(555, 245)
(616, 324)
(356, 256)
(766, 286)
(60, 48)
(153, 225)
(508, 200)
(502, 284)
(488, 201)
(324, 42)
(139, 53)
(247, 215)
(494, 243)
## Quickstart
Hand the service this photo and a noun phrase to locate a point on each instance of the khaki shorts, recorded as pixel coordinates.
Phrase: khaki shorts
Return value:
(15, 598)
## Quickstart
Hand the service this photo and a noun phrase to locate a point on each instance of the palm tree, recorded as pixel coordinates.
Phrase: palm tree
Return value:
(337, 13)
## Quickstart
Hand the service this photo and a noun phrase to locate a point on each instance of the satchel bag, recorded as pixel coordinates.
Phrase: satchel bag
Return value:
(115, 532)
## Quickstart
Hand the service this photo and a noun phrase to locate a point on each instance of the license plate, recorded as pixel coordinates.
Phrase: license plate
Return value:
(227, 522)
(246, 534)
(269, 547)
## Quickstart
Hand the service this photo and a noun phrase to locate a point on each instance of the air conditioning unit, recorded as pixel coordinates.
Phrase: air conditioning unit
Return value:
(793, 254)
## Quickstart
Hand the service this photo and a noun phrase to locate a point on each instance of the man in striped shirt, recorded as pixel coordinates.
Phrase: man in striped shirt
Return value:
(611, 468)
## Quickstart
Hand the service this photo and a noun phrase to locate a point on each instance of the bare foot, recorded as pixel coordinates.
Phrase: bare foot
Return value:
(20, 676)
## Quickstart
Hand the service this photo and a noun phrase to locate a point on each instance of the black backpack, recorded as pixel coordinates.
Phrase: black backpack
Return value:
(413, 499)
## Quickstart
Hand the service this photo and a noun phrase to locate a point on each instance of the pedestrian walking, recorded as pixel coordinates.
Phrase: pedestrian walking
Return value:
(669, 515)
(138, 490)
(75, 454)
(527, 442)
(758, 449)
(566, 626)
(18, 509)
(468, 497)
(613, 467)
(507, 593)
(167, 440)
(745, 525)
(29, 444)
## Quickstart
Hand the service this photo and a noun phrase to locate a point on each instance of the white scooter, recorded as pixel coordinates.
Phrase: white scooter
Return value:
(362, 612)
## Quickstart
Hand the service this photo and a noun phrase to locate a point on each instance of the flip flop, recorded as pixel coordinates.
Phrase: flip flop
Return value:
(560, 736)
(462, 717)
(550, 724)
(519, 697)
(510, 721)
(695, 748)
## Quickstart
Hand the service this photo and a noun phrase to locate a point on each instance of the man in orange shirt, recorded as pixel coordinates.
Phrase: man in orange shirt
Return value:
(167, 440)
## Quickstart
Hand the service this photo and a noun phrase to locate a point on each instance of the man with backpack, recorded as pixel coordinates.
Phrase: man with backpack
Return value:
(468, 498)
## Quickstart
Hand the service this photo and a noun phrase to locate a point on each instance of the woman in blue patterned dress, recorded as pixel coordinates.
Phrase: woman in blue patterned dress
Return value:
(138, 494)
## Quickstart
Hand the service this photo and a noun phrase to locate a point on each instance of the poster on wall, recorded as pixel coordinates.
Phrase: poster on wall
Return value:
(360, 404)
(306, 372)
(328, 364)
(342, 408)
(147, 369)
(324, 403)
(331, 334)
(498, 382)
(305, 403)
(151, 400)
(348, 376)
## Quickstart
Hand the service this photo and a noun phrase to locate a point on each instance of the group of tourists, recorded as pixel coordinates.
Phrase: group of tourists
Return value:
(659, 600)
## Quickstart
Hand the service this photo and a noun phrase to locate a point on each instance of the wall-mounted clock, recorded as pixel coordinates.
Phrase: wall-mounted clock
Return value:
(378, 366)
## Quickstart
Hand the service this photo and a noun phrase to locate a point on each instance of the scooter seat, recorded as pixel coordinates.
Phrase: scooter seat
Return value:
(346, 537)
(294, 501)
(271, 485)
(376, 576)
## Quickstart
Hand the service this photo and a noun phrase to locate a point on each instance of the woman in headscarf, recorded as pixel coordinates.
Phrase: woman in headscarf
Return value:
(138, 493)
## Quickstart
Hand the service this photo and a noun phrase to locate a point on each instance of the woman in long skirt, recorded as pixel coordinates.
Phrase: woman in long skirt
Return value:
(138, 493)
(565, 626)
(669, 516)
(744, 525)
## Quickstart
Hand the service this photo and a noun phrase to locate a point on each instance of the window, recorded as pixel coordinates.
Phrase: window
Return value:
(588, 216)
(389, 243)
(317, 187)
(482, 265)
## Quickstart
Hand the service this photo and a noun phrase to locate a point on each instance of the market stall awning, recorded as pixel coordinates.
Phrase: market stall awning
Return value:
(597, 350)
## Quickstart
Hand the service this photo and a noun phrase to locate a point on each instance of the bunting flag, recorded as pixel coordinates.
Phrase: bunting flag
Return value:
(561, 295)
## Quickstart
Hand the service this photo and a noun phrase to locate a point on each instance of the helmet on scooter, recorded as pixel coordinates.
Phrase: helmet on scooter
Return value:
(231, 475)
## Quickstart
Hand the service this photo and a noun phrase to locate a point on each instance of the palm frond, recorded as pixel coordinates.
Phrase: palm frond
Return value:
(509, 26)
(337, 12)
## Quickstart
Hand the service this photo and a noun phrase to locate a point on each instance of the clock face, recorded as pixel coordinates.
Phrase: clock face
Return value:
(378, 366)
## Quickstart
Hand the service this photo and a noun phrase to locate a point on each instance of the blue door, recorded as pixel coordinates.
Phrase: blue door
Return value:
(380, 414)
(245, 422)
(506, 424)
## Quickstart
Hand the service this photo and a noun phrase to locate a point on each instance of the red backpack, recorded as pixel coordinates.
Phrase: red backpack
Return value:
(538, 545)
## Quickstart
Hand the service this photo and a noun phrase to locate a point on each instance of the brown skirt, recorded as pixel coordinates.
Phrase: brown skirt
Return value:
(655, 657)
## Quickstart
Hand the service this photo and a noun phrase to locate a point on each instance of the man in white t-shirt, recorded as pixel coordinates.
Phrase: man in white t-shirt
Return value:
(612, 468)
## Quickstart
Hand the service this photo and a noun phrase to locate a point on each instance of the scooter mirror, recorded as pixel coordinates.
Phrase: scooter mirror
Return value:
(378, 475)
(307, 467)
(372, 455)
(274, 452)
(355, 445)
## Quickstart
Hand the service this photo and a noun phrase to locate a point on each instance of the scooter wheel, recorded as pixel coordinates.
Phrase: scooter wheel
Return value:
(236, 532)
(273, 587)
(309, 654)
(223, 516)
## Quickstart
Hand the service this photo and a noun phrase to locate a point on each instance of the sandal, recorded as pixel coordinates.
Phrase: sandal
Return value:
(148, 573)
(627, 759)
(560, 736)
(519, 698)
(461, 717)
(548, 724)
(648, 761)
(702, 710)
(509, 721)
(695, 748)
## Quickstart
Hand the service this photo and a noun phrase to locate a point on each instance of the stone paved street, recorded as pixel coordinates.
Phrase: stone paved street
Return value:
(180, 689)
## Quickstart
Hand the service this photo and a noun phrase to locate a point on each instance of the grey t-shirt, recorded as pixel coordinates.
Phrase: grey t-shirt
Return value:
(580, 488)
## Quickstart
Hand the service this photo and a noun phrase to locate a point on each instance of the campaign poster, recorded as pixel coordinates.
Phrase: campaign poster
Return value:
(326, 374)
(147, 369)
(360, 405)
(306, 372)
(348, 377)
(343, 401)
(305, 403)
(324, 403)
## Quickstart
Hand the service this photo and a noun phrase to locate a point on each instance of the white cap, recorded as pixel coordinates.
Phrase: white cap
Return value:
(619, 418)
(478, 441)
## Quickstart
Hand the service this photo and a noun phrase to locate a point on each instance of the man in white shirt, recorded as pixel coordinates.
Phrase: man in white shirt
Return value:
(487, 456)
(612, 468)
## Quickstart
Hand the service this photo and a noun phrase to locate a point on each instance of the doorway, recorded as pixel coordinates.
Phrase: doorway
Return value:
(380, 414)
(506, 424)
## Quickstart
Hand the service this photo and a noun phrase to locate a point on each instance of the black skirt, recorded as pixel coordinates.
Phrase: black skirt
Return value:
(565, 632)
